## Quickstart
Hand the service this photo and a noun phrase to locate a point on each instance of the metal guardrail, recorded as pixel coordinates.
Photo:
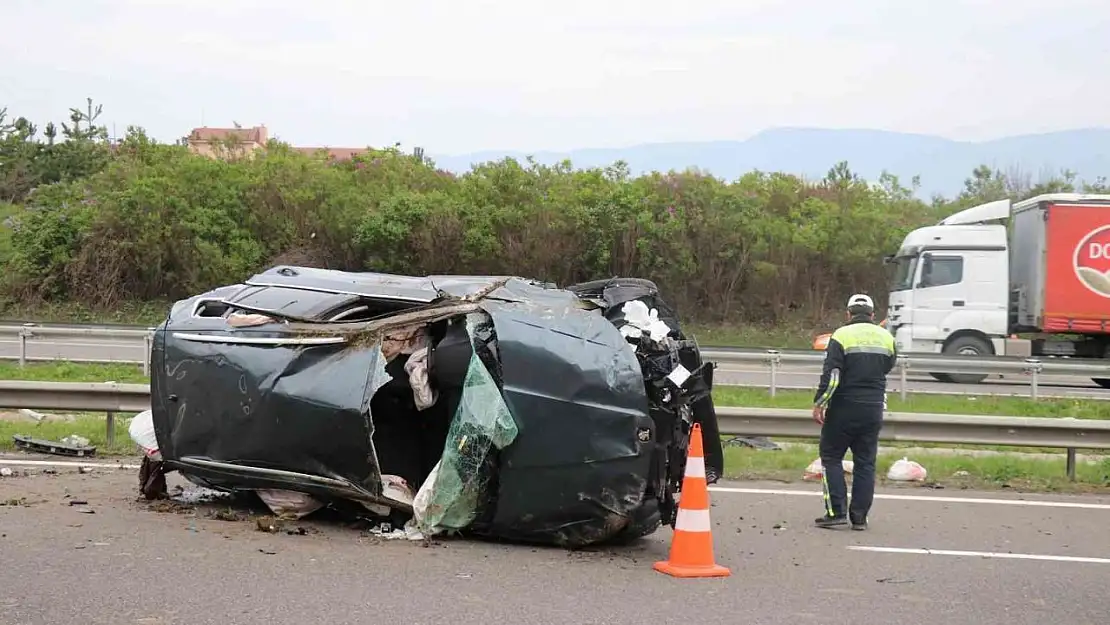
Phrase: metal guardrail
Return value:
(1031, 369)
(919, 427)
(1070, 434)
(1034, 368)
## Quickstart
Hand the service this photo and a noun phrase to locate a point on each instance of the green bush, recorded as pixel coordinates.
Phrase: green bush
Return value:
(154, 222)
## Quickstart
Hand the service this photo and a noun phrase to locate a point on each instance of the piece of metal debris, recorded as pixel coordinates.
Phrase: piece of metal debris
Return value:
(57, 448)
(754, 442)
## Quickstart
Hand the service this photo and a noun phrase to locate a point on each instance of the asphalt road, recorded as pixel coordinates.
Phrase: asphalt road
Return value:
(129, 563)
(756, 375)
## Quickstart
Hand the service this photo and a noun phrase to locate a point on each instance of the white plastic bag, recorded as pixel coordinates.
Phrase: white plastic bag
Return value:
(906, 470)
(815, 471)
(288, 503)
(142, 432)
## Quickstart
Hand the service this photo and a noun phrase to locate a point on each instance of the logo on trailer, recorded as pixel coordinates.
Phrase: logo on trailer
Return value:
(1092, 261)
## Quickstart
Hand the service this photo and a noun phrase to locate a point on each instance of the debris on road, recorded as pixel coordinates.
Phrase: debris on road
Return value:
(815, 471)
(78, 445)
(754, 442)
(6, 472)
(502, 407)
(906, 470)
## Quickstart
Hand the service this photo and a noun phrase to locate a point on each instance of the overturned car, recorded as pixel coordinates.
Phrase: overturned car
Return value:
(493, 406)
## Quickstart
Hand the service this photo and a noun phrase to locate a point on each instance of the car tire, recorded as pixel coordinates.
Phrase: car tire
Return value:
(967, 346)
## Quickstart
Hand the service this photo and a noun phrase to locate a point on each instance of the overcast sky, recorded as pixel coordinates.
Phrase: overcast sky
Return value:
(457, 76)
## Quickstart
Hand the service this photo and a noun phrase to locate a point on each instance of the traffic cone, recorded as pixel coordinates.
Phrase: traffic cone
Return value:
(692, 546)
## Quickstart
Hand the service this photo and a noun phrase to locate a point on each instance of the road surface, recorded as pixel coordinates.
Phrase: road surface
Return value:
(754, 375)
(130, 562)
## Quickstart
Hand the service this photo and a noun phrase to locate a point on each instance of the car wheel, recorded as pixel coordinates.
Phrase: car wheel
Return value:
(967, 346)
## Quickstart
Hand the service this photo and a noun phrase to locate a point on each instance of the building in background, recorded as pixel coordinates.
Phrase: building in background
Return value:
(241, 142)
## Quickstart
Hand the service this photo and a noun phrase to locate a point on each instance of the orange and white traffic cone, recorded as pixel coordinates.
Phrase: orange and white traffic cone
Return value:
(692, 546)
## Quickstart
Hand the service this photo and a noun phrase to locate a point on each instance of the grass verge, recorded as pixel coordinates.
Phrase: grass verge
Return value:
(62, 371)
(1013, 471)
(921, 402)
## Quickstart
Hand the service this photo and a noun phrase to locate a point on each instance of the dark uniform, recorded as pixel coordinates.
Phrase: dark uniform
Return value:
(853, 392)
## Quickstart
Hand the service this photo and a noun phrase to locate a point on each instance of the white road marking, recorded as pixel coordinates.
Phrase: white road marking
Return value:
(713, 489)
(979, 500)
(982, 554)
(59, 463)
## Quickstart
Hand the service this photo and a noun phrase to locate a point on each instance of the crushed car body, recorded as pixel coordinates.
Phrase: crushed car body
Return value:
(494, 406)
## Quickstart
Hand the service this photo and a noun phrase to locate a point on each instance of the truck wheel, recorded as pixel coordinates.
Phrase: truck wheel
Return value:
(1103, 382)
(967, 346)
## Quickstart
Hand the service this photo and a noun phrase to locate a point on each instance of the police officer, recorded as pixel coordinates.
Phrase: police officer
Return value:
(849, 405)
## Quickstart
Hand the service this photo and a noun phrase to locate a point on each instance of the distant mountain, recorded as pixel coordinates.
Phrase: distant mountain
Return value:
(941, 163)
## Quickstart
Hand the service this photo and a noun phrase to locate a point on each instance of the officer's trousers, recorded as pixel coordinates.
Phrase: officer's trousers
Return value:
(850, 425)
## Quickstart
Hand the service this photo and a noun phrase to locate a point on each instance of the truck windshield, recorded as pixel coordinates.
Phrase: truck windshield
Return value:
(904, 267)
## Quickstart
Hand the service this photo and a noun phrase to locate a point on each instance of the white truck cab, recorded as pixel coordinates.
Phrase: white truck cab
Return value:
(949, 292)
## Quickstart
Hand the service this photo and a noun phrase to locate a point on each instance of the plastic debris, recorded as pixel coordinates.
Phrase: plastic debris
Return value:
(397, 489)
(141, 430)
(906, 470)
(639, 321)
(424, 396)
(815, 471)
(75, 441)
(288, 503)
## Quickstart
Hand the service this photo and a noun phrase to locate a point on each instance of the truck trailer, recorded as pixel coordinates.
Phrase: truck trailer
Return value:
(1026, 279)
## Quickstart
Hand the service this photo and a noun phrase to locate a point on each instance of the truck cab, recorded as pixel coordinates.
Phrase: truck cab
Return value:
(949, 292)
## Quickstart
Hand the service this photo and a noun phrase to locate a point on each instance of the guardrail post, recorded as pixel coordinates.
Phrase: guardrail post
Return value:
(110, 429)
(147, 341)
(775, 359)
(24, 334)
(1034, 368)
(1071, 464)
(903, 364)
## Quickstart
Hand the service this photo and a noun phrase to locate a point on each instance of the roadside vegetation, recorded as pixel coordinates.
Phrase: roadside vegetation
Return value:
(100, 231)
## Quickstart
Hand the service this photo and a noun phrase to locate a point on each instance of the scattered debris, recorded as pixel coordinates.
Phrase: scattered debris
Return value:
(226, 514)
(906, 470)
(198, 494)
(57, 448)
(14, 501)
(84, 470)
(815, 471)
(267, 552)
(961, 474)
(268, 524)
(78, 502)
(754, 442)
(73, 440)
(288, 503)
(5, 472)
(892, 580)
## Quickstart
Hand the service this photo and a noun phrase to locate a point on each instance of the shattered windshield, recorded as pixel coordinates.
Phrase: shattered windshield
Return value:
(902, 279)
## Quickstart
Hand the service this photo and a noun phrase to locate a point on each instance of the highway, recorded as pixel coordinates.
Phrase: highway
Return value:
(755, 374)
(1002, 560)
